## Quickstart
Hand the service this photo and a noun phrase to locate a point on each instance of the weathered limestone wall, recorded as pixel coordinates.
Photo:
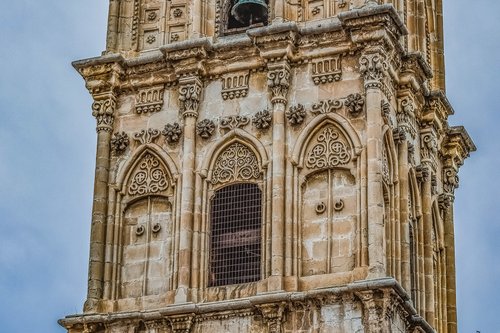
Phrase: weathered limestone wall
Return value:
(338, 127)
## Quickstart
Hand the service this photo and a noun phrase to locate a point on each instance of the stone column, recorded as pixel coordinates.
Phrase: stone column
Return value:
(428, 150)
(424, 175)
(103, 109)
(450, 183)
(373, 67)
(190, 89)
(404, 216)
(279, 10)
(278, 80)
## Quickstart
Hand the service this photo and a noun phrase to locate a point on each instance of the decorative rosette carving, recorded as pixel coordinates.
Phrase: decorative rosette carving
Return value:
(205, 128)
(119, 142)
(354, 104)
(329, 150)
(236, 162)
(149, 177)
(262, 119)
(296, 114)
(172, 132)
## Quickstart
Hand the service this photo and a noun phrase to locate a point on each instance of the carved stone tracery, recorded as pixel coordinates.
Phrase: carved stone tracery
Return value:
(236, 162)
(149, 177)
(328, 151)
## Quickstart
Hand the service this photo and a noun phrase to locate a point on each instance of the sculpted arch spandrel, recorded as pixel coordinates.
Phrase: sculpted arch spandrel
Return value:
(327, 212)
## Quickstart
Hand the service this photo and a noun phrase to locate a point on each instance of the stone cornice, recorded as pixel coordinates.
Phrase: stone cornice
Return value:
(457, 146)
(238, 306)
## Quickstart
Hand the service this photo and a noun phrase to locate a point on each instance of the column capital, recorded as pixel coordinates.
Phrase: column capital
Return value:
(190, 91)
(103, 109)
(373, 66)
(278, 81)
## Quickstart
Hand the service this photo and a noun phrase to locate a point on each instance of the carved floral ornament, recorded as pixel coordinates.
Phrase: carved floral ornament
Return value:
(189, 96)
(149, 177)
(373, 67)
(328, 150)
(172, 132)
(119, 142)
(262, 119)
(236, 162)
(205, 128)
(103, 111)
(278, 81)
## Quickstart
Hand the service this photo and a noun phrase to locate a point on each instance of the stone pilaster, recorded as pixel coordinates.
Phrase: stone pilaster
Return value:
(190, 91)
(278, 81)
(373, 67)
(103, 109)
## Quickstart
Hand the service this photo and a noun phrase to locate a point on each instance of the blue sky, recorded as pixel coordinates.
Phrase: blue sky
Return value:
(47, 147)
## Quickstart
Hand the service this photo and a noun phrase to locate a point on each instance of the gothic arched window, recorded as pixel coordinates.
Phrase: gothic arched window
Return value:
(235, 239)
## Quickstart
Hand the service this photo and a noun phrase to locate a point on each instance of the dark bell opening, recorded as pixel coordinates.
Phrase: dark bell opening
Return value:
(245, 13)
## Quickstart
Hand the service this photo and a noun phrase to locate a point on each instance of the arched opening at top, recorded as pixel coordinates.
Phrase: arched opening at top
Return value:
(240, 15)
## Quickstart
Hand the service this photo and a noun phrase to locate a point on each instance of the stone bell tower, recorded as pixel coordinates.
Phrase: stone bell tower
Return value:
(272, 166)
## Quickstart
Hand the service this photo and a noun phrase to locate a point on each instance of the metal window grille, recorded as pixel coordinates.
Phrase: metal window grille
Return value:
(235, 242)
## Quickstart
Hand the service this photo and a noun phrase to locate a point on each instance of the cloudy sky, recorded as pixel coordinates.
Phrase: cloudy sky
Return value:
(47, 147)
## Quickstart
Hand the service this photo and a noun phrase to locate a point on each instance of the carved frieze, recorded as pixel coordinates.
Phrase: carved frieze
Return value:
(326, 70)
(149, 99)
(235, 85)
(326, 106)
(236, 162)
(172, 132)
(328, 150)
(149, 177)
(146, 136)
(262, 119)
(296, 114)
(205, 128)
(119, 142)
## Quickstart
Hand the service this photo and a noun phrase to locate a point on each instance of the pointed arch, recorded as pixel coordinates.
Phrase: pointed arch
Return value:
(316, 125)
(392, 154)
(234, 136)
(126, 170)
(438, 224)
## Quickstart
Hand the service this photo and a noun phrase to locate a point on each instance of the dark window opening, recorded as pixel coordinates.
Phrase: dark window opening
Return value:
(248, 14)
(235, 242)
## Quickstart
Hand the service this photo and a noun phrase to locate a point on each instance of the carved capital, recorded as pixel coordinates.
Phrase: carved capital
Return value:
(278, 81)
(450, 180)
(190, 89)
(181, 323)
(375, 305)
(445, 201)
(399, 135)
(406, 116)
(373, 67)
(273, 315)
(103, 109)
(423, 173)
(428, 146)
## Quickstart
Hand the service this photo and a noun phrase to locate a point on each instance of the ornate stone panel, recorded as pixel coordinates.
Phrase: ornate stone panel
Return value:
(149, 99)
(329, 149)
(236, 162)
(235, 85)
(326, 70)
(149, 177)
